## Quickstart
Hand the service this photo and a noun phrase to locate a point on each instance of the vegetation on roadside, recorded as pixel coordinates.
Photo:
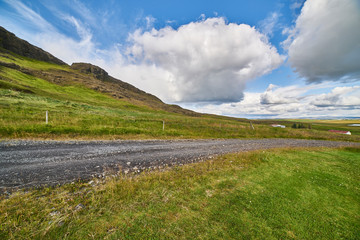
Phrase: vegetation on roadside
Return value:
(274, 194)
(317, 124)
(78, 111)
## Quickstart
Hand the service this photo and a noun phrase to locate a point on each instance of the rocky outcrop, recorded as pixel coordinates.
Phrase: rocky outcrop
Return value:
(88, 68)
(9, 42)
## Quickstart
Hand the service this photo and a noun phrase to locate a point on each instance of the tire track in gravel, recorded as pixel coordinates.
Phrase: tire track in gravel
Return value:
(26, 164)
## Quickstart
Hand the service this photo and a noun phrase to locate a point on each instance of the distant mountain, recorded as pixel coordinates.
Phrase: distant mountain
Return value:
(86, 74)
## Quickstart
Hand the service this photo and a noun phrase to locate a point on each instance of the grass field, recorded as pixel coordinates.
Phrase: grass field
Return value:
(78, 112)
(23, 116)
(325, 125)
(276, 194)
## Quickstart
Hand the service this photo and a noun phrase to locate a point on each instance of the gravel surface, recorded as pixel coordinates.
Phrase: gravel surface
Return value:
(26, 164)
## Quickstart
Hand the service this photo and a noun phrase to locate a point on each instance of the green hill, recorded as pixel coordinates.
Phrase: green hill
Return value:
(84, 102)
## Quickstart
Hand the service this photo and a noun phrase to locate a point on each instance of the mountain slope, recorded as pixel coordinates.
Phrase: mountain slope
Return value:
(83, 101)
(85, 74)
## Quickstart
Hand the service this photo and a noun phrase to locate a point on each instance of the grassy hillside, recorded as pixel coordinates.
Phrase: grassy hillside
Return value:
(82, 106)
(277, 194)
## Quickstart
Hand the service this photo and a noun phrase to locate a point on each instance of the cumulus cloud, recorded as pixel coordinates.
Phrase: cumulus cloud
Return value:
(276, 95)
(250, 107)
(205, 60)
(208, 60)
(300, 102)
(340, 97)
(324, 44)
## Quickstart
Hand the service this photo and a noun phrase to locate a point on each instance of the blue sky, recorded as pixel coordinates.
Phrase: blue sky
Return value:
(255, 59)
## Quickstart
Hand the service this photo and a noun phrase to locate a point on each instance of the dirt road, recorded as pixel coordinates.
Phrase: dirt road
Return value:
(36, 163)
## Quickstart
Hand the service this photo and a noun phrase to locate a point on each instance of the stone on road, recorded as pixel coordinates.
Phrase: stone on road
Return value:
(35, 163)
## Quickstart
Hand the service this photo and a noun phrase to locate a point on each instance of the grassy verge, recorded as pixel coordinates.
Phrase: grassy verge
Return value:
(78, 111)
(276, 194)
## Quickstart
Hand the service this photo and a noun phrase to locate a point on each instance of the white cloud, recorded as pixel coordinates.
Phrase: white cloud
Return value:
(291, 102)
(83, 32)
(276, 95)
(340, 97)
(150, 20)
(29, 17)
(250, 107)
(208, 60)
(324, 44)
(147, 77)
(267, 26)
(296, 4)
(83, 11)
(69, 49)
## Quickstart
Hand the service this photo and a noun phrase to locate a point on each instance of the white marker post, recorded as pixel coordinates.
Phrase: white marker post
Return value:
(47, 117)
(163, 125)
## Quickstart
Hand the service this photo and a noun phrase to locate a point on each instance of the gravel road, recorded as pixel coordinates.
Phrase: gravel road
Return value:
(35, 163)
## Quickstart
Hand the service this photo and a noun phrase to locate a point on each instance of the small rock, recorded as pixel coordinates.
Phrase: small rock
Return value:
(80, 206)
(54, 213)
(128, 163)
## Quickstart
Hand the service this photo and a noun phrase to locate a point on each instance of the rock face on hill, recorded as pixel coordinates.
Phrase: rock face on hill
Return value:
(9, 42)
(88, 68)
(102, 75)
(122, 90)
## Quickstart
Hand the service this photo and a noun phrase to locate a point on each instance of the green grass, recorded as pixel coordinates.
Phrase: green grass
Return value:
(29, 63)
(277, 194)
(79, 112)
(325, 125)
